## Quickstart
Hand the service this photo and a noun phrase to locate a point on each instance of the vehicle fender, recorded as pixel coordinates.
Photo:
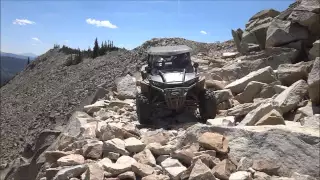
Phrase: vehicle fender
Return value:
(144, 87)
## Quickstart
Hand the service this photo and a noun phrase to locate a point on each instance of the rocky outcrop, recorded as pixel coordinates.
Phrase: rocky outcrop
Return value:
(264, 75)
(297, 27)
(284, 146)
(314, 82)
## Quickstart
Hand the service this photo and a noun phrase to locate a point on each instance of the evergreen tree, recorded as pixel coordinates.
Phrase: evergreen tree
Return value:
(102, 50)
(28, 62)
(96, 48)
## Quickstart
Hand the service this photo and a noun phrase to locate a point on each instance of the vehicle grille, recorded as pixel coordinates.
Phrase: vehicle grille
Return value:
(175, 98)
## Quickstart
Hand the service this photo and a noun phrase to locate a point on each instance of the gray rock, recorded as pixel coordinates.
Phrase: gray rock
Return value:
(134, 145)
(201, 171)
(69, 172)
(127, 176)
(287, 145)
(314, 82)
(76, 122)
(309, 110)
(255, 115)
(244, 164)
(313, 121)
(142, 169)
(224, 169)
(158, 149)
(93, 150)
(222, 121)
(156, 177)
(126, 87)
(94, 172)
(173, 168)
(282, 32)
(243, 109)
(307, 14)
(71, 160)
(272, 118)
(314, 51)
(122, 165)
(145, 157)
(261, 176)
(115, 145)
(264, 75)
(290, 73)
(112, 155)
(185, 154)
(289, 98)
(265, 13)
(92, 108)
(298, 176)
(252, 89)
(279, 88)
(223, 95)
(104, 161)
(53, 156)
(240, 175)
(267, 166)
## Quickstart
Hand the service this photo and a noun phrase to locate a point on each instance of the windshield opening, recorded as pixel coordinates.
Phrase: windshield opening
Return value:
(172, 63)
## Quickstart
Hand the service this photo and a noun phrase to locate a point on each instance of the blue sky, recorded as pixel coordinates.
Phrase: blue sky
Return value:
(34, 26)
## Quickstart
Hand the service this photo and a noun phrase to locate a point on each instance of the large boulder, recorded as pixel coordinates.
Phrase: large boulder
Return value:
(314, 82)
(282, 32)
(307, 14)
(264, 14)
(257, 114)
(290, 98)
(293, 149)
(264, 75)
(76, 123)
(126, 87)
(290, 73)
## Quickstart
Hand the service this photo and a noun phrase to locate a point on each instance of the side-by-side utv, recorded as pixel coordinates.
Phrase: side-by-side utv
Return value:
(170, 80)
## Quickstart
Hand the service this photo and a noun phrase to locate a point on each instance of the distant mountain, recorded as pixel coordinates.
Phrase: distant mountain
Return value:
(20, 56)
(31, 55)
(10, 66)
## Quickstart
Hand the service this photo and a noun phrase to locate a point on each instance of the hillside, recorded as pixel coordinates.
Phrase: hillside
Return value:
(61, 121)
(47, 92)
(10, 66)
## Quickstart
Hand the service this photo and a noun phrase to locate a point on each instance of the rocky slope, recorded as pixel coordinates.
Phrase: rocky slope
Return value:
(48, 91)
(267, 126)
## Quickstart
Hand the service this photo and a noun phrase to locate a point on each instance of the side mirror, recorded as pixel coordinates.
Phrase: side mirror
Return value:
(195, 65)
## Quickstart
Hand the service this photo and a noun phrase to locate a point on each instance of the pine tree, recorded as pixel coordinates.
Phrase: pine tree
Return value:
(102, 50)
(28, 62)
(95, 49)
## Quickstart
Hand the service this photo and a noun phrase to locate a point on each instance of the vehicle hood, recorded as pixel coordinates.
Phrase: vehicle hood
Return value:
(173, 77)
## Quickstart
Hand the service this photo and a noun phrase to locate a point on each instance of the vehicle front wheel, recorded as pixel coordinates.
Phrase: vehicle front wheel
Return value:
(207, 105)
(143, 109)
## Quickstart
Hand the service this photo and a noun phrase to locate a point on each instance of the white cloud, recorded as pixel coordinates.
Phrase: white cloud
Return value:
(33, 44)
(99, 23)
(203, 32)
(36, 39)
(22, 22)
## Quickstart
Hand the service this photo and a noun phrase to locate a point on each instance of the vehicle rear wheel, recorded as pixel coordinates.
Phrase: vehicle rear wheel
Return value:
(207, 105)
(143, 109)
